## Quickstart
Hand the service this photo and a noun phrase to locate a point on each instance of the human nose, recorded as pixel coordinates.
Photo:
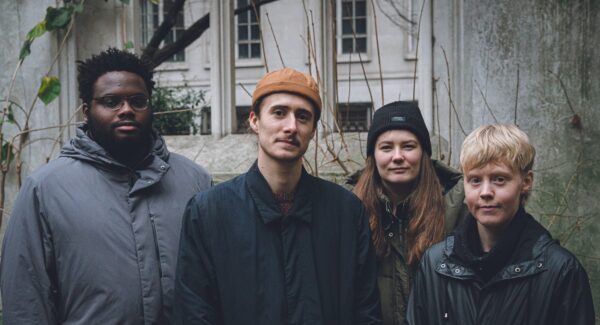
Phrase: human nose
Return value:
(126, 107)
(290, 124)
(398, 155)
(486, 190)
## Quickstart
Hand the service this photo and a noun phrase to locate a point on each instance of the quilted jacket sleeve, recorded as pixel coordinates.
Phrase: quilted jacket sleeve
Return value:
(27, 272)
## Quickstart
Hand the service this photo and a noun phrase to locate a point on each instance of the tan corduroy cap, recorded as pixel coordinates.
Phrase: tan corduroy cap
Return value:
(288, 80)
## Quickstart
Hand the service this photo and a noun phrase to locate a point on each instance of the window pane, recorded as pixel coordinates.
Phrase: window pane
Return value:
(361, 8)
(241, 3)
(242, 33)
(255, 33)
(347, 45)
(361, 26)
(252, 15)
(242, 18)
(347, 27)
(361, 44)
(347, 9)
(243, 51)
(255, 50)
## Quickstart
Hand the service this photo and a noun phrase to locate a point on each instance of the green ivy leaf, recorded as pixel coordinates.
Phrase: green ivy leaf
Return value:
(57, 18)
(37, 31)
(6, 148)
(129, 45)
(49, 89)
(25, 50)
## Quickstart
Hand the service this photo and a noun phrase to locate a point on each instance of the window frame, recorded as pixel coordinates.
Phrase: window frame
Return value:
(353, 56)
(248, 61)
(147, 31)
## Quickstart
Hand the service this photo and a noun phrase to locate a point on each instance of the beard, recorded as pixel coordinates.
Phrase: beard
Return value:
(124, 148)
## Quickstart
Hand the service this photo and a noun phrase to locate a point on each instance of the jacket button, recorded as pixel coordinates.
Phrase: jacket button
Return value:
(517, 269)
(540, 264)
(443, 265)
(391, 234)
(163, 167)
(457, 271)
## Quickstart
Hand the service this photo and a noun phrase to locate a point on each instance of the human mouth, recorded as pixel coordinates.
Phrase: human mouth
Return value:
(126, 126)
(489, 208)
(290, 141)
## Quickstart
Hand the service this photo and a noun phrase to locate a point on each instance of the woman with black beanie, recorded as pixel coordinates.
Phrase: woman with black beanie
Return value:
(412, 200)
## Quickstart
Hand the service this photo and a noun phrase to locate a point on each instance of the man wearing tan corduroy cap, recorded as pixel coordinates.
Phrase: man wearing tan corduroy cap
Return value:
(277, 245)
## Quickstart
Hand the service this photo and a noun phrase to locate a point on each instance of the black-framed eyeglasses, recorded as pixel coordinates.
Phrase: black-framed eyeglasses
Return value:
(115, 102)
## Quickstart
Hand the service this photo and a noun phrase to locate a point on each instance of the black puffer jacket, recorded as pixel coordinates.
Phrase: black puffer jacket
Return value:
(527, 278)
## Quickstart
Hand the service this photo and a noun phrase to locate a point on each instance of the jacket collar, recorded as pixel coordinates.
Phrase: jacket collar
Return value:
(84, 148)
(264, 200)
(526, 258)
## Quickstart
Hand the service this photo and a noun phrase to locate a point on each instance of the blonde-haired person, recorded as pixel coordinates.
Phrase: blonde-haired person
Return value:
(412, 200)
(501, 266)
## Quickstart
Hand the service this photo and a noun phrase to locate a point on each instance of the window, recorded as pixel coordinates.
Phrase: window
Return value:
(248, 32)
(352, 36)
(354, 117)
(242, 113)
(152, 16)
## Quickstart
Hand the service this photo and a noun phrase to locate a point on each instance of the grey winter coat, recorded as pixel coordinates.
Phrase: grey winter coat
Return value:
(91, 241)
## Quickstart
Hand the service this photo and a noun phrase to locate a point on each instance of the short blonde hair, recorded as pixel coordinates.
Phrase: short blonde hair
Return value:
(497, 143)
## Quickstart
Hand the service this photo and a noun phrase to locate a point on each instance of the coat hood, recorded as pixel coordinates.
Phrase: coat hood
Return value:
(82, 147)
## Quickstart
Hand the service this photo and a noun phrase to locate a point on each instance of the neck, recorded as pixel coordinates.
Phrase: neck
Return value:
(397, 193)
(282, 177)
(488, 237)
(131, 156)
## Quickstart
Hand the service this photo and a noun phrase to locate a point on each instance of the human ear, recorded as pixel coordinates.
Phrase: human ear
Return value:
(86, 111)
(253, 121)
(527, 182)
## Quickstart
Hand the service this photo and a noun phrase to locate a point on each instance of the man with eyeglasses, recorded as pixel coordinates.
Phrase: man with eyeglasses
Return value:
(93, 235)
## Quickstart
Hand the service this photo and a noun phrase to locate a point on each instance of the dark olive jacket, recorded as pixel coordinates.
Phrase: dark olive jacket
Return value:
(527, 278)
(394, 276)
(242, 262)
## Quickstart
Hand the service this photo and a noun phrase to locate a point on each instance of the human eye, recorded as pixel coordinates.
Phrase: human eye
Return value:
(500, 180)
(111, 101)
(138, 101)
(279, 112)
(409, 146)
(385, 147)
(303, 117)
(474, 180)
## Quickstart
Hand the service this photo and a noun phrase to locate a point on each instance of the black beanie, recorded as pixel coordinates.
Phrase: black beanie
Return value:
(397, 116)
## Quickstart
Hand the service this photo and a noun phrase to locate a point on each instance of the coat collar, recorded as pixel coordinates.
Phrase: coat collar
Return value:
(526, 257)
(264, 200)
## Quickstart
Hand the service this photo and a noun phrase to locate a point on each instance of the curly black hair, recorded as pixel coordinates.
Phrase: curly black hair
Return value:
(113, 59)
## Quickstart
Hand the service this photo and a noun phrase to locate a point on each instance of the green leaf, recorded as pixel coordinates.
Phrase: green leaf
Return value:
(6, 148)
(10, 116)
(25, 50)
(57, 18)
(37, 31)
(129, 45)
(49, 89)
(155, 1)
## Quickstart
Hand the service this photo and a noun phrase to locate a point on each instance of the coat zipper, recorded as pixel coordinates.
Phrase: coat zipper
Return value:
(154, 233)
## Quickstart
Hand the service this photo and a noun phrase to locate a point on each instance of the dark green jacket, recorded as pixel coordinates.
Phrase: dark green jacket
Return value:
(394, 276)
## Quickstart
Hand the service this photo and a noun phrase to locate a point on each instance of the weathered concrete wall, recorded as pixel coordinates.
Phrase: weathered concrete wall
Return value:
(536, 63)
